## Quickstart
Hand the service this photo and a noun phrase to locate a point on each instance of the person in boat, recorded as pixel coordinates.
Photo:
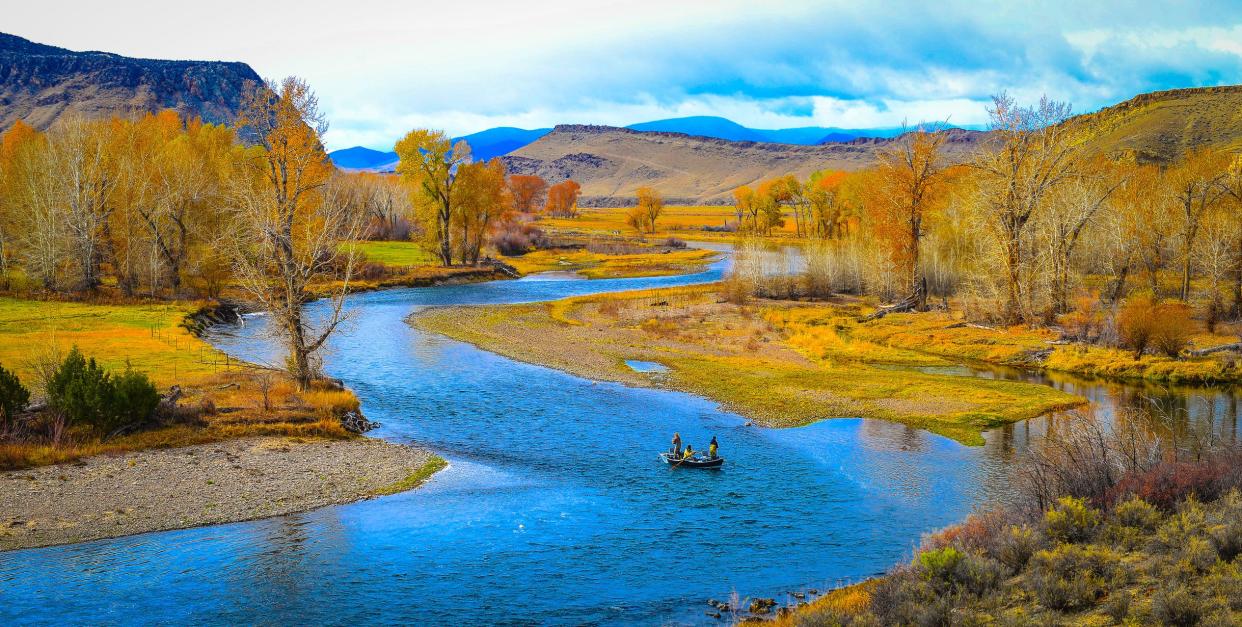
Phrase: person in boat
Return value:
(676, 444)
(711, 448)
(689, 452)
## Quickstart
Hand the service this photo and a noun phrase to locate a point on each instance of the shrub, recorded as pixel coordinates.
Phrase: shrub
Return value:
(1017, 546)
(1118, 605)
(949, 569)
(89, 395)
(1073, 576)
(514, 238)
(133, 400)
(939, 564)
(1199, 554)
(1168, 484)
(1171, 328)
(904, 599)
(1176, 605)
(1136, 513)
(13, 397)
(1144, 322)
(1134, 324)
(1071, 520)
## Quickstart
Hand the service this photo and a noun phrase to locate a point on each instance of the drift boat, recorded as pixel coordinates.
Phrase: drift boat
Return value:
(693, 462)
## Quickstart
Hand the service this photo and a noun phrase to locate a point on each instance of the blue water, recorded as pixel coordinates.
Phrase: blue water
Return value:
(555, 509)
(638, 365)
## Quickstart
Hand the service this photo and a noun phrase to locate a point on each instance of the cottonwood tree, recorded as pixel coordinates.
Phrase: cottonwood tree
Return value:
(642, 217)
(528, 192)
(1028, 155)
(1194, 185)
(386, 203)
(290, 225)
(1071, 209)
(81, 177)
(743, 199)
(1231, 184)
(428, 163)
(481, 198)
(19, 146)
(822, 192)
(563, 199)
(910, 175)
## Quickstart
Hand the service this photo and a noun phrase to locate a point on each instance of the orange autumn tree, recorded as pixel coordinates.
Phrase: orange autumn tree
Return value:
(642, 216)
(15, 146)
(909, 179)
(528, 192)
(563, 199)
(827, 207)
(480, 200)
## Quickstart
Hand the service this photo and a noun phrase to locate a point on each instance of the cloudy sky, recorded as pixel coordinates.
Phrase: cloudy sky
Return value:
(381, 68)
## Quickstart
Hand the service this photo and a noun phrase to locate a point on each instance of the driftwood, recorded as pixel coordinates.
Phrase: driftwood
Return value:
(915, 301)
(1236, 346)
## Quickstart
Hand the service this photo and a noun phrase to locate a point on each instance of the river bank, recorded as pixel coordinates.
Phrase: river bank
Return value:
(209, 484)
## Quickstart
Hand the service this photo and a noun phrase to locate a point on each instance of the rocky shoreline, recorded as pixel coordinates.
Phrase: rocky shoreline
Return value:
(231, 481)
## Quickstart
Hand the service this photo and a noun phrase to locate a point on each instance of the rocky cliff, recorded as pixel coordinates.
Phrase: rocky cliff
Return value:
(40, 83)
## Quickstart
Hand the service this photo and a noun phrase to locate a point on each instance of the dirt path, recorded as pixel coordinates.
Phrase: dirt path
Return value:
(110, 496)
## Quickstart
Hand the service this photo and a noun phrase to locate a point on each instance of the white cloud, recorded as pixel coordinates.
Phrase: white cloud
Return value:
(383, 67)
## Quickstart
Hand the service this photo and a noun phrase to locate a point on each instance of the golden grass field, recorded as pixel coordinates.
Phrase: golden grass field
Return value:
(681, 221)
(600, 266)
(226, 395)
(753, 360)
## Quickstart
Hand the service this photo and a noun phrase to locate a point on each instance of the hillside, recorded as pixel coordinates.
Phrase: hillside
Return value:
(1161, 126)
(611, 163)
(40, 83)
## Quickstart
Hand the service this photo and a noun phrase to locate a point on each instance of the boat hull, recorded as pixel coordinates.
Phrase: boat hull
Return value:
(715, 462)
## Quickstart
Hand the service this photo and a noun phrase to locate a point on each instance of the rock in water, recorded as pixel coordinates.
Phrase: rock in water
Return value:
(355, 422)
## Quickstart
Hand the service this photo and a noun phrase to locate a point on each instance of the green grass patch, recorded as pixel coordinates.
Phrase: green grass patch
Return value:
(417, 478)
(399, 254)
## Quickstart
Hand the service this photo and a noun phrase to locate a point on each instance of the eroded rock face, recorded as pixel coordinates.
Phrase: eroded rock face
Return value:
(40, 84)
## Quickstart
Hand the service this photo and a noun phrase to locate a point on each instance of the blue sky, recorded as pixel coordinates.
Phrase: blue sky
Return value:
(381, 68)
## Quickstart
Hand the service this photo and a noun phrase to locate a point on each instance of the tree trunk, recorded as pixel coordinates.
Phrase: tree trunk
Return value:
(1013, 268)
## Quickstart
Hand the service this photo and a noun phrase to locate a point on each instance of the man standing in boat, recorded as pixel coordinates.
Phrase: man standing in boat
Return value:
(711, 449)
(676, 445)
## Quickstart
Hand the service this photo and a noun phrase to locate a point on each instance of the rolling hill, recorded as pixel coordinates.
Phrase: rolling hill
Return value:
(611, 163)
(41, 83)
(1161, 126)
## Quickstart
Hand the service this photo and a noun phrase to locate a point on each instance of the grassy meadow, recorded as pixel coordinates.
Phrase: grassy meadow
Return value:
(605, 266)
(222, 398)
(681, 221)
(744, 357)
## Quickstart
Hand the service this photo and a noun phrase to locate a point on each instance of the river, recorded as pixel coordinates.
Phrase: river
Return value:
(555, 509)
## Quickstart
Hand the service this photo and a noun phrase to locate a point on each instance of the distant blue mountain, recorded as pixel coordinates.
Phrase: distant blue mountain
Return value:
(359, 158)
(496, 142)
(704, 126)
(723, 128)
